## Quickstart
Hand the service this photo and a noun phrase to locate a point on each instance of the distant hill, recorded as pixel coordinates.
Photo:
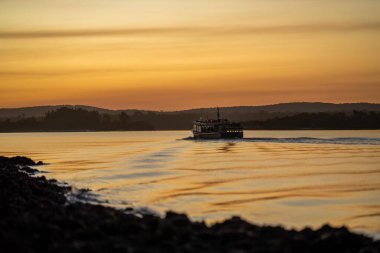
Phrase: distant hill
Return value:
(296, 107)
(237, 113)
(40, 111)
(279, 116)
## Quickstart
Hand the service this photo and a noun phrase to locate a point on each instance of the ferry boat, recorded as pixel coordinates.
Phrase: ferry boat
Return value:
(216, 128)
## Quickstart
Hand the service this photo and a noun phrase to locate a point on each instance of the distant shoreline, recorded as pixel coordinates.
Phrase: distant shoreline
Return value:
(36, 212)
(182, 130)
(80, 120)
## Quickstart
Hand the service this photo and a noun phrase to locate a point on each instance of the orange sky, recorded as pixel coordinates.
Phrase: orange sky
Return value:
(174, 54)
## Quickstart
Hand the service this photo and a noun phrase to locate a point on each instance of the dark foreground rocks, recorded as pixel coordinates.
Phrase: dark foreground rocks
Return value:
(36, 217)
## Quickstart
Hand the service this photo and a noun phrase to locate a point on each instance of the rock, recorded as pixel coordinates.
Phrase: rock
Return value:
(19, 160)
(178, 220)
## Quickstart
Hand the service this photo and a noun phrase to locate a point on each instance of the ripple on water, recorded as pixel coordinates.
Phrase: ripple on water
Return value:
(294, 178)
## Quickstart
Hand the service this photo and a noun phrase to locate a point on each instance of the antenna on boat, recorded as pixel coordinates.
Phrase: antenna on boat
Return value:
(218, 113)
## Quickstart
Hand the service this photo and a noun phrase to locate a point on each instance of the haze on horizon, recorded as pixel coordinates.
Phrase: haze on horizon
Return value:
(175, 54)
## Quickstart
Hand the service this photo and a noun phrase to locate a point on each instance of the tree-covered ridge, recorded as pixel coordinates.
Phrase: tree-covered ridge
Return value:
(69, 119)
(322, 120)
(78, 119)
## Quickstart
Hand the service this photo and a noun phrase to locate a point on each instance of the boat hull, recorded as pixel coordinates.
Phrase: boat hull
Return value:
(217, 135)
(232, 135)
(214, 135)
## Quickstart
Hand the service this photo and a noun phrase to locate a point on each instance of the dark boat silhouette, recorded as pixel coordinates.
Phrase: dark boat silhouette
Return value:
(216, 128)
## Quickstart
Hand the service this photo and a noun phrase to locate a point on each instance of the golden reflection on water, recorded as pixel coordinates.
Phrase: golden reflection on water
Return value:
(273, 181)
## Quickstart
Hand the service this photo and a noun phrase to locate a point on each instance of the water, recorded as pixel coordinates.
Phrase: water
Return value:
(292, 178)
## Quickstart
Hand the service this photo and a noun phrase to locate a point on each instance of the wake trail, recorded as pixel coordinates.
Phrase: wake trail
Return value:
(342, 140)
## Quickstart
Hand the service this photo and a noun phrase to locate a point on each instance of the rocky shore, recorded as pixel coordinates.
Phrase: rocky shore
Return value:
(35, 216)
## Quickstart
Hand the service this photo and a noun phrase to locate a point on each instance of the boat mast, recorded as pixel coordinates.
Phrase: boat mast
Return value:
(218, 113)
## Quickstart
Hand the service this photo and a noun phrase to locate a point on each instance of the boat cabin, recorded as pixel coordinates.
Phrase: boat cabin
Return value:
(216, 128)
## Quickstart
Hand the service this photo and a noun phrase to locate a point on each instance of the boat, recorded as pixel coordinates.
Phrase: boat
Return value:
(216, 128)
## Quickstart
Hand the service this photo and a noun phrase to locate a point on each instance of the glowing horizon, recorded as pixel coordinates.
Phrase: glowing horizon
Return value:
(172, 55)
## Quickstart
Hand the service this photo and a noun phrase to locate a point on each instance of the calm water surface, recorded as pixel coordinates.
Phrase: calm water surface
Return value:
(293, 178)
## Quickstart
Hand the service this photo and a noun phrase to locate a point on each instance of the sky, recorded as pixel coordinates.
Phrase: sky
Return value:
(176, 54)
